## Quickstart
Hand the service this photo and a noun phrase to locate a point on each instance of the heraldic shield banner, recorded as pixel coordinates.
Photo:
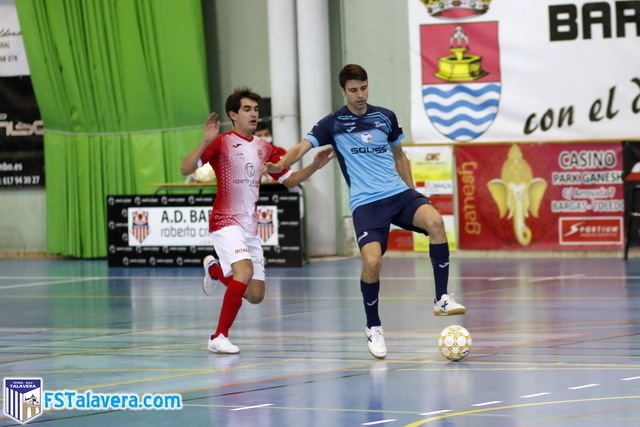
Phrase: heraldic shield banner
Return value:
(485, 71)
(460, 77)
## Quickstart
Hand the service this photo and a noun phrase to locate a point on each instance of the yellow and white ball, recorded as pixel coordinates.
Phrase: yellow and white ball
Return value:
(454, 342)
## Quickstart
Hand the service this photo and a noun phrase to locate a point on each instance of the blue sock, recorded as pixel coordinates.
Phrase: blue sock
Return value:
(370, 298)
(439, 254)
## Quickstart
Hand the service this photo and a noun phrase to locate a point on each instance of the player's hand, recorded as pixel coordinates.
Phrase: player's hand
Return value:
(272, 168)
(323, 157)
(211, 127)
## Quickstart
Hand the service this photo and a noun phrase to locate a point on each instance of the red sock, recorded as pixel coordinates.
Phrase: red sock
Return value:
(230, 306)
(215, 271)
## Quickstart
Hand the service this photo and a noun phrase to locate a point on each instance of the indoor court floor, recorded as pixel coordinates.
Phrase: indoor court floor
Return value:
(556, 343)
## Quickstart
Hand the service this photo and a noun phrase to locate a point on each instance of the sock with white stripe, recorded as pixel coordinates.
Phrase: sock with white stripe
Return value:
(370, 293)
(439, 254)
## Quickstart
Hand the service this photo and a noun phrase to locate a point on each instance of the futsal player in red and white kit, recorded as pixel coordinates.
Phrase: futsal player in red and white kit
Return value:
(237, 158)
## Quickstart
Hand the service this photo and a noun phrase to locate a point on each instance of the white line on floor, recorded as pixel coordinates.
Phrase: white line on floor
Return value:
(49, 282)
(583, 386)
(493, 402)
(252, 407)
(546, 279)
(630, 379)
(316, 277)
(372, 423)
(526, 396)
(436, 412)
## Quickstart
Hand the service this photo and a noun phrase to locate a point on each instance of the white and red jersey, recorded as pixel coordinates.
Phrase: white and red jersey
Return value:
(237, 162)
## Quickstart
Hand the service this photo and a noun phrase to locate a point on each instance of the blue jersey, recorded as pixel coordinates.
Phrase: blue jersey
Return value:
(363, 148)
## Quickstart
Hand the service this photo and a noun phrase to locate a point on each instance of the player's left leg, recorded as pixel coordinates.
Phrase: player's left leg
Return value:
(257, 286)
(428, 218)
(419, 215)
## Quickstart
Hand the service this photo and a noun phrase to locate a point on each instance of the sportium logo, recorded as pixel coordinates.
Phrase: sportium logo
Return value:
(22, 398)
(590, 231)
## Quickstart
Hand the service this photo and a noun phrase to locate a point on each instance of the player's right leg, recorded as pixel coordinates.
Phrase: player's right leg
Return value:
(371, 254)
(237, 270)
(371, 223)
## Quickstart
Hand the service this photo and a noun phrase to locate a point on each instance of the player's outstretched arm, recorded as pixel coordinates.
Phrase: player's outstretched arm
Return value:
(292, 155)
(319, 160)
(403, 165)
(211, 130)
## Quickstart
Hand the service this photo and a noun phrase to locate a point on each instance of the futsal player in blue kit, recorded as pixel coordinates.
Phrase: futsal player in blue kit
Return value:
(366, 140)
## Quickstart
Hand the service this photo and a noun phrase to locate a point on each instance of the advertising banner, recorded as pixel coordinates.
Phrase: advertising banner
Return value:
(540, 196)
(170, 231)
(13, 60)
(21, 141)
(432, 172)
(527, 70)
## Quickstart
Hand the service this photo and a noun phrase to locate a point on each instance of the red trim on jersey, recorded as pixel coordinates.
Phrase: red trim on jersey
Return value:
(276, 155)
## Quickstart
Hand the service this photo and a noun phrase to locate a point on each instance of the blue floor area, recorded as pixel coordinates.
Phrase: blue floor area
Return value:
(556, 343)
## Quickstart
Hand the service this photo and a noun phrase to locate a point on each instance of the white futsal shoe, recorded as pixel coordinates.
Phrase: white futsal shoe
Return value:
(447, 306)
(221, 344)
(209, 283)
(375, 341)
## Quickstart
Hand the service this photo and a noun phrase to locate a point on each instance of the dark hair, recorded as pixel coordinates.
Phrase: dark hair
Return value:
(262, 125)
(235, 99)
(352, 72)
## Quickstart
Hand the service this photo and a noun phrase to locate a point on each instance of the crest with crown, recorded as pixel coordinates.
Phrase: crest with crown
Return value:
(456, 8)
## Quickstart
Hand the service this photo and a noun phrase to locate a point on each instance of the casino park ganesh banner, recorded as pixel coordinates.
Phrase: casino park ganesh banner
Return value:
(526, 70)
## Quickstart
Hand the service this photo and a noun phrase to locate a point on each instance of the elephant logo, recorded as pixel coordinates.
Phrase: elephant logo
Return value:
(517, 193)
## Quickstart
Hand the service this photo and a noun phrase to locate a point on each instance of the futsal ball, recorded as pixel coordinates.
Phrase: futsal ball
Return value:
(454, 342)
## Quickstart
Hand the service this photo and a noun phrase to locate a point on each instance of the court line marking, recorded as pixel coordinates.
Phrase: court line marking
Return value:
(437, 412)
(630, 379)
(47, 283)
(303, 408)
(579, 387)
(429, 277)
(372, 423)
(548, 278)
(527, 396)
(522, 405)
(492, 402)
(264, 405)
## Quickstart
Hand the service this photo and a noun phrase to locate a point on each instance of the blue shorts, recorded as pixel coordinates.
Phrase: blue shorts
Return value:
(373, 220)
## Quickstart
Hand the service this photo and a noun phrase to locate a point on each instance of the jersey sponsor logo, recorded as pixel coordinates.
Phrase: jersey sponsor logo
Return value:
(241, 250)
(366, 137)
(349, 129)
(369, 150)
(237, 145)
(250, 169)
